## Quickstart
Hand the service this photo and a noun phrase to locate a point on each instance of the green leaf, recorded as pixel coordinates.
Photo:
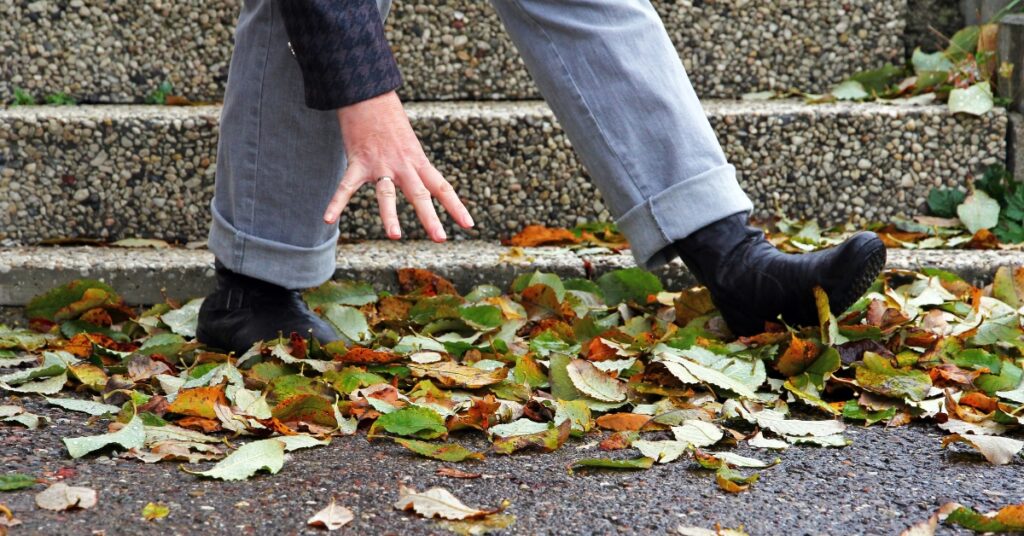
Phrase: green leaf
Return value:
(15, 481)
(877, 81)
(84, 406)
(547, 440)
(936, 61)
(266, 454)
(49, 386)
(562, 387)
(131, 436)
(854, 411)
(311, 408)
(482, 317)
(963, 43)
(413, 421)
(349, 321)
(354, 293)
(661, 451)
(631, 284)
(551, 281)
(876, 374)
(68, 301)
(22, 339)
(591, 381)
(448, 452)
(942, 202)
(1009, 378)
(183, 321)
(978, 211)
(1008, 519)
(604, 463)
(165, 344)
(850, 90)
(975, 100)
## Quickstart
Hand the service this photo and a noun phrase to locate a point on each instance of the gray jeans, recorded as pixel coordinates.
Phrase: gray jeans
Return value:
(607, 69)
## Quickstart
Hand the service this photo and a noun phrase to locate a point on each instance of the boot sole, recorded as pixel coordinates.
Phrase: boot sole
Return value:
(874, 254)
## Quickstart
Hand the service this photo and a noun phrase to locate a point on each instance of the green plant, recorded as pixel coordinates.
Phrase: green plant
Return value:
(23, 98)
(159, 95)
(59, 99)
(997, 183)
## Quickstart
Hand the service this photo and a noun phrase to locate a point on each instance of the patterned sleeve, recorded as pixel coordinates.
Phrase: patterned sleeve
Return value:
(342, 50)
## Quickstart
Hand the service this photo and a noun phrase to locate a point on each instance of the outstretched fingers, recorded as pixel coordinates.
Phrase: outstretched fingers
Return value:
(386, 203)
(421, 198)
(355, 176)
(445, 193)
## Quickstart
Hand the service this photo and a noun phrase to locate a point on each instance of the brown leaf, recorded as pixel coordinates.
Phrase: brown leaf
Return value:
(415, 280)
(332, 517)
(598, 351)
(365, 356)
(623, 422)
(983, 239)
(618, 441)
(693, 303)
(538, 235)
(798, 356)
(452, 472)
(198, 401)
(60, 496)
(199, 423)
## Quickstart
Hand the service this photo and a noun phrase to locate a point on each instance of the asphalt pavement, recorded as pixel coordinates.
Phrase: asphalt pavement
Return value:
(885, 481)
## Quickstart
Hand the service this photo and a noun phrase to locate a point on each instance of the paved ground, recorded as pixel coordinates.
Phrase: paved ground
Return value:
(884, 482)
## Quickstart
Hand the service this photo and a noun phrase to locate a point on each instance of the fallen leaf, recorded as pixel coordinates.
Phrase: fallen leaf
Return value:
(440, 451)
(131, 436)
(538, 235)
(332, 517)
(605, 463)
(60, 496)
(623, 422)
(265, 454)
(593, 382)
(15, 481)
(437, 502)
(153, 511)
(452, 472)
(997, 450)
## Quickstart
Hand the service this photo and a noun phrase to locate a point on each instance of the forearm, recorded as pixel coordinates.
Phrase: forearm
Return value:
(342, 51)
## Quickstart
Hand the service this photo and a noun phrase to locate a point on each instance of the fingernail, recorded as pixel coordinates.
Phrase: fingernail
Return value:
(469, 219)
(395, 232)
(441, 236)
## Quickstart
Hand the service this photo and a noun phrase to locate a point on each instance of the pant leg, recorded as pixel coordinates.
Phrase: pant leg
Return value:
(613, 78)
(278, 162)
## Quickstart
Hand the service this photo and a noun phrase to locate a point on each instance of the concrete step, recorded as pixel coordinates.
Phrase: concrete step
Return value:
(144, 276)
(119, 52)
(148, 171)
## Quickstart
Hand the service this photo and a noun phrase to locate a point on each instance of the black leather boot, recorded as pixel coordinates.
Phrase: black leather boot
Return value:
(752, 282)
(244, 310)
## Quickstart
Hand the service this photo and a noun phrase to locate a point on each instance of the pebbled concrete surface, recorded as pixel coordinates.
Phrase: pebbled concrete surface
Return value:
(143, 276)
(886, 481)
(114, 172)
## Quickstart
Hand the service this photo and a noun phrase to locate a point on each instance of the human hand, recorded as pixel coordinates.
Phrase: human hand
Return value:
(380, 142)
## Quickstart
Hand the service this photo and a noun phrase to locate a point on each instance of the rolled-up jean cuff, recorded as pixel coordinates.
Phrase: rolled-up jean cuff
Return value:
(275, 262)
(680, 210)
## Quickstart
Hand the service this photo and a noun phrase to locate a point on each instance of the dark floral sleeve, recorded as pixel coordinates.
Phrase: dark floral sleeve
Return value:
(342, 50)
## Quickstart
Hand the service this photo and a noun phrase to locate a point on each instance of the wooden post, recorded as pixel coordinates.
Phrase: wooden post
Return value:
(1011, 51)
(981, 11)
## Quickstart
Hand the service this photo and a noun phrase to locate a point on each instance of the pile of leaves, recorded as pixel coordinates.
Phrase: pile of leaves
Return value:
(962, 75)
(619, 360)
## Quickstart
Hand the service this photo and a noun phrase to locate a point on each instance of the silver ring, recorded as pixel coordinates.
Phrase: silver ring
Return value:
(385, 178)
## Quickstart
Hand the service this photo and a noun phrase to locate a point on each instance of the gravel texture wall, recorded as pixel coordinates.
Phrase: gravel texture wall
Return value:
(112, 172)
(120, 51)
